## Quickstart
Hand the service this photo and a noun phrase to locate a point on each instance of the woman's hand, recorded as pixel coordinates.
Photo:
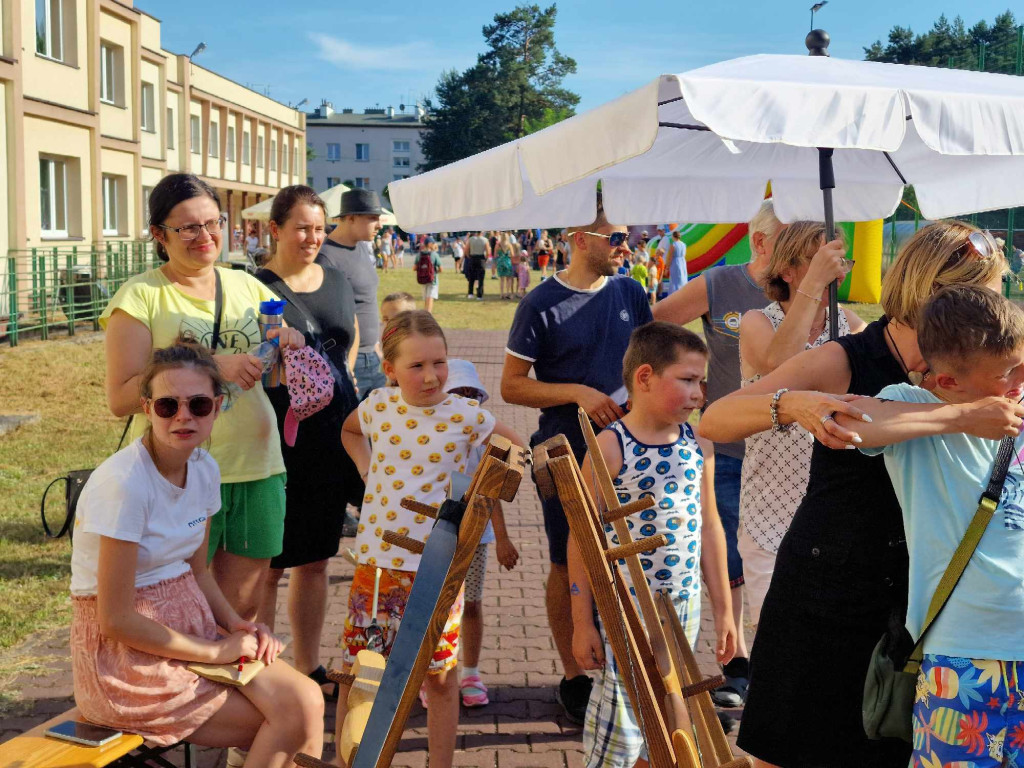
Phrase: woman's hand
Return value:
(508, 555)
(992, 418)
(587, 648)
(725, 639)
(241, 370)
(288, 338)
(240, 643)
(827, 265)
(814, 411)
(267, 645)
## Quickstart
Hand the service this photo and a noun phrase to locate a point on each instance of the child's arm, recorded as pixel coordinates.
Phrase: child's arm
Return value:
(503, 429)
(356, 443)
(587, 648)
(507, 553)
(713, 559)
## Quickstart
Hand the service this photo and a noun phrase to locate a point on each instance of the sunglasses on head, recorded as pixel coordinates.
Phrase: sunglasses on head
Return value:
(615, 239)
(198, 406)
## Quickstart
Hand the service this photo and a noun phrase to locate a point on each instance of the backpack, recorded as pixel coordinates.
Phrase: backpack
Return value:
(425, 269)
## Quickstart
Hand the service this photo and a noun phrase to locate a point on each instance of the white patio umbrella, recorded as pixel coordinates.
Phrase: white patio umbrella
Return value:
(700, 146)
(331, 198)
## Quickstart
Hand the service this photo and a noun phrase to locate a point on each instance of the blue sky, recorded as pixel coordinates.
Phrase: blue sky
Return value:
(380, 53)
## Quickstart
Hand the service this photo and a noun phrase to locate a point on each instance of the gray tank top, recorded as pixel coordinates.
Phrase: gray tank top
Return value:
(731, 292)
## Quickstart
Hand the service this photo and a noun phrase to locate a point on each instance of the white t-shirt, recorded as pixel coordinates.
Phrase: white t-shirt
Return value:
(127, 498)
(413, 451)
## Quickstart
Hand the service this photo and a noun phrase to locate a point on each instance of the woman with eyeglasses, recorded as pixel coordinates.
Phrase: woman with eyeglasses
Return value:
(841, 578)
(180, 298)
(144, 605)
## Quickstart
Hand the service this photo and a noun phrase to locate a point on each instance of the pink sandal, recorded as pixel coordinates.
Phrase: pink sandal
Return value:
(474, 692)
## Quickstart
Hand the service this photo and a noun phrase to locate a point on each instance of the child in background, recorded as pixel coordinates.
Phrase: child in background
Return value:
(639, 270)
(973, 341)
(393, 304)
(408, 440)
(523, 270)
(463, 380)
(653, 451)
(653, 278)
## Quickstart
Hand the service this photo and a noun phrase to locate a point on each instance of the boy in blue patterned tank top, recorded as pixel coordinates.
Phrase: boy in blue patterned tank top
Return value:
(653, 451)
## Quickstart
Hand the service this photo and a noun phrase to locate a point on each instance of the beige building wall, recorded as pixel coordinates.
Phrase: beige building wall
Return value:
(153, 140)
(5, 198)
(120, 166)
(60, 82)
(72, 145)
(118, 116)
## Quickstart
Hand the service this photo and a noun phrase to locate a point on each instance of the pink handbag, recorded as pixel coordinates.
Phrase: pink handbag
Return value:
(310, 387)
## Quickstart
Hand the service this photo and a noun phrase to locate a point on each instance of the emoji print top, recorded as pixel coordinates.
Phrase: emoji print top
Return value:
(413, 451)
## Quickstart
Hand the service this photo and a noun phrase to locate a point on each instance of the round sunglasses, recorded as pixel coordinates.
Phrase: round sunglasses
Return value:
(198, 405)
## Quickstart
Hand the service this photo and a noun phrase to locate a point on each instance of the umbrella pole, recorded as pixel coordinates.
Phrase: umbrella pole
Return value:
(827, 182)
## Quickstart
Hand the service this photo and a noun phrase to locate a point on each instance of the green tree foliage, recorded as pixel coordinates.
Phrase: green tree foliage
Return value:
(514, 88)
(953, 44)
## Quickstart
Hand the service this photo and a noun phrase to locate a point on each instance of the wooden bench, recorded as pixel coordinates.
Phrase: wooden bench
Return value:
(33, 749)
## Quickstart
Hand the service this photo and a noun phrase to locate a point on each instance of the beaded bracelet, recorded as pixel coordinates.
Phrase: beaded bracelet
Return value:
(774, 410)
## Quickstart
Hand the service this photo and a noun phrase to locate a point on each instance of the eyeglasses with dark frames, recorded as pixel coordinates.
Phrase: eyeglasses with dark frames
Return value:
(615, 239)
(198, 405)
(190, 232)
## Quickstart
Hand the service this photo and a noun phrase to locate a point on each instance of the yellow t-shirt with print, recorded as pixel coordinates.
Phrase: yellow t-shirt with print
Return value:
(245, 442)
(413, 451)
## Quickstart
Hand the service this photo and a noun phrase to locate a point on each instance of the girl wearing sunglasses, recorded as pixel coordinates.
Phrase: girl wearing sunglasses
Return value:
(145, 605)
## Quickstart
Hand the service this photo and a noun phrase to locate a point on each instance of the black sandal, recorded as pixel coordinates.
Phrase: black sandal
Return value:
(319, 676)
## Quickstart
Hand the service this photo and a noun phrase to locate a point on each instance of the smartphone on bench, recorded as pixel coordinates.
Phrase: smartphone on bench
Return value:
(83, 733)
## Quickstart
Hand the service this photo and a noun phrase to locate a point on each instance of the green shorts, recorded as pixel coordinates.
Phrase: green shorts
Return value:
(251, 519)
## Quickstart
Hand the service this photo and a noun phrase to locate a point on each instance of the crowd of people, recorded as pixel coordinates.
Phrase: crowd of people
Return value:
(817, 499)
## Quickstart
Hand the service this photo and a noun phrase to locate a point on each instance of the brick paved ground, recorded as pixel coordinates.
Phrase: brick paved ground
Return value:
(523, 725)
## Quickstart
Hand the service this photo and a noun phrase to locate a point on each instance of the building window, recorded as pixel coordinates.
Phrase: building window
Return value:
(400, 146)
(362, 182)
(362, 151)
(399, 177)
(273, 155)
(333, 152)
(246, 140)
(286, 162)
(259, 151)
(113, 202)
(401, 162)
(333, 181)
(51, 29)
(214, 138)
(112, 74)
(148, 108)
(197, 135)
(53, 197)
(171, 128)
(146, 192)
(229, 150)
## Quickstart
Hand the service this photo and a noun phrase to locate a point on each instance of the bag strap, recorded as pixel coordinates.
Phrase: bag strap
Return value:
(987, 505)
(281, 287)
(124, 434)
(42, 512)
(218, 310)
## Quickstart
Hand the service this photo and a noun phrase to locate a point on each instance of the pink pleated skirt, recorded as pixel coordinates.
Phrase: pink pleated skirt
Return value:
(128, 689)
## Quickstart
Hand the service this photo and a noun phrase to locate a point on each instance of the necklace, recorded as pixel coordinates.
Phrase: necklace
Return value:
(914, 377)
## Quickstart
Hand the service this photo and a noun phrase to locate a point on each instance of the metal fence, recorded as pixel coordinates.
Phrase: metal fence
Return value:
(60, 289)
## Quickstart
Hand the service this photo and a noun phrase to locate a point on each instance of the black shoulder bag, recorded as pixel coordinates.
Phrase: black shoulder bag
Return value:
(75, 479)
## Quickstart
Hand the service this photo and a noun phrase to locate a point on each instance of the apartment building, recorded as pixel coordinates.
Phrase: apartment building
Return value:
(96, 112)
(369, 149)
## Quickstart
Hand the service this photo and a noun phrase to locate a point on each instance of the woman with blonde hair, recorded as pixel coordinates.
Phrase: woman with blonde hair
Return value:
(503, 260)
(841, 575)
(776, 464)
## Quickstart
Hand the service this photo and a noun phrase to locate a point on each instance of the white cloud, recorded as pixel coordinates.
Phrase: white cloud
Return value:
(346, 55)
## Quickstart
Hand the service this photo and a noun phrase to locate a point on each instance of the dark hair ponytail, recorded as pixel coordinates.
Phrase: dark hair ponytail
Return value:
(173, 189)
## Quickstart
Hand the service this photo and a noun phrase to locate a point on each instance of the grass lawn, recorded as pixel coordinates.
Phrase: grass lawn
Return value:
(62, 382)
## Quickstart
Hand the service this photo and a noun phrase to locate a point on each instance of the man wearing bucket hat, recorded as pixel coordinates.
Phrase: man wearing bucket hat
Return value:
(350, 248)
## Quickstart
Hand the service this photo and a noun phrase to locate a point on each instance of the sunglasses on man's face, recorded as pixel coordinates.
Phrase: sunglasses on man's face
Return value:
(198, 405)
(615, 239)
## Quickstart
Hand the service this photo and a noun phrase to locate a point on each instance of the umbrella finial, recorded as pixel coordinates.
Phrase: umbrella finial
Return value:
(817, 42)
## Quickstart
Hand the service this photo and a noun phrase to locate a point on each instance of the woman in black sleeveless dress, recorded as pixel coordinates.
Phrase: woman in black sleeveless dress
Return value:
(841, 573)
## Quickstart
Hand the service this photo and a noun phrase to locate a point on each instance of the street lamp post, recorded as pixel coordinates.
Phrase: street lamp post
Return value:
(815, 8)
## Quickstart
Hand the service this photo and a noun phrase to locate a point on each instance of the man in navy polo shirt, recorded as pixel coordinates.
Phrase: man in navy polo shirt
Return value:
(572, 331)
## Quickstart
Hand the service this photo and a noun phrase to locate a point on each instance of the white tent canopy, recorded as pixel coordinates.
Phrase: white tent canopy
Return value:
(701, 146)
(331, 198)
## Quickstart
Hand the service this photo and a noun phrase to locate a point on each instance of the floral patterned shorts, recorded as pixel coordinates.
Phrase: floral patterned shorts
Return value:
(393, 594)
(968, 712)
